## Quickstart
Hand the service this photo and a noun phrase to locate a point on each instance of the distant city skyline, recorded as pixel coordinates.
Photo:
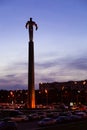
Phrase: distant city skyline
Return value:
(60, 43)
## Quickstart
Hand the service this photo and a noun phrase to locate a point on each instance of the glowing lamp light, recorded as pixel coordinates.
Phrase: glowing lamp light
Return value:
(45, 90)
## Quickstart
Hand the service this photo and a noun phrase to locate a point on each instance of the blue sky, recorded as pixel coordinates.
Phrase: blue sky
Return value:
(60, 43)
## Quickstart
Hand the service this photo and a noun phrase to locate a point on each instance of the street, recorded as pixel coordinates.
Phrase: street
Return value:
(80, 125)
(30, 125)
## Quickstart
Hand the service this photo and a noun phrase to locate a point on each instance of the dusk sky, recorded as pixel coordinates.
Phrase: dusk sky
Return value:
(60, 43)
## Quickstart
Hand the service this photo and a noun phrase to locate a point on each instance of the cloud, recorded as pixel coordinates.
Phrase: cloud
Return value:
(13, 82)
(63, 69)
(80, 63)
(58, 69)
(17, 66)
(47, 64)
(15, 74)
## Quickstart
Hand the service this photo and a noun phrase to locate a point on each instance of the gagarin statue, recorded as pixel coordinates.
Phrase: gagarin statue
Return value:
(30, 25)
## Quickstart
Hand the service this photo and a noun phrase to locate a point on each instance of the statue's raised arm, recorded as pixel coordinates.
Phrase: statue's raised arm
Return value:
(30, 25)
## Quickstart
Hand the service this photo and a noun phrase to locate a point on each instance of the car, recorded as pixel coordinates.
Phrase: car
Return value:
(33, 116)
(75, 117)
(42, 115)
(82, 114)
(14, 115)
(62, 119)
(6, 124)
(46, 122)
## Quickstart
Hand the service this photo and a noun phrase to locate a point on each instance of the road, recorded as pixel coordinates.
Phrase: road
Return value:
(30, 125)
(80, 125)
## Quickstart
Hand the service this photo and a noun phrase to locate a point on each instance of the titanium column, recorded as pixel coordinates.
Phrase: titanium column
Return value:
(31, 88)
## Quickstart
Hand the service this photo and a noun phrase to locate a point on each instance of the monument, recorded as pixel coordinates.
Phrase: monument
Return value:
(31, 87)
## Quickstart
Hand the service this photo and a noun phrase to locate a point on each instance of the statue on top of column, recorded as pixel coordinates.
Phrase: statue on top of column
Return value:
(30, 25)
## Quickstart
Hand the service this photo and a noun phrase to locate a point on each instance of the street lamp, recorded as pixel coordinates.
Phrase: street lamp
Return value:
(12, 96)
(46, 91)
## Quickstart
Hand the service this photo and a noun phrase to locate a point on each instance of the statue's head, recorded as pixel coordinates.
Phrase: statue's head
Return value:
(30, 19)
